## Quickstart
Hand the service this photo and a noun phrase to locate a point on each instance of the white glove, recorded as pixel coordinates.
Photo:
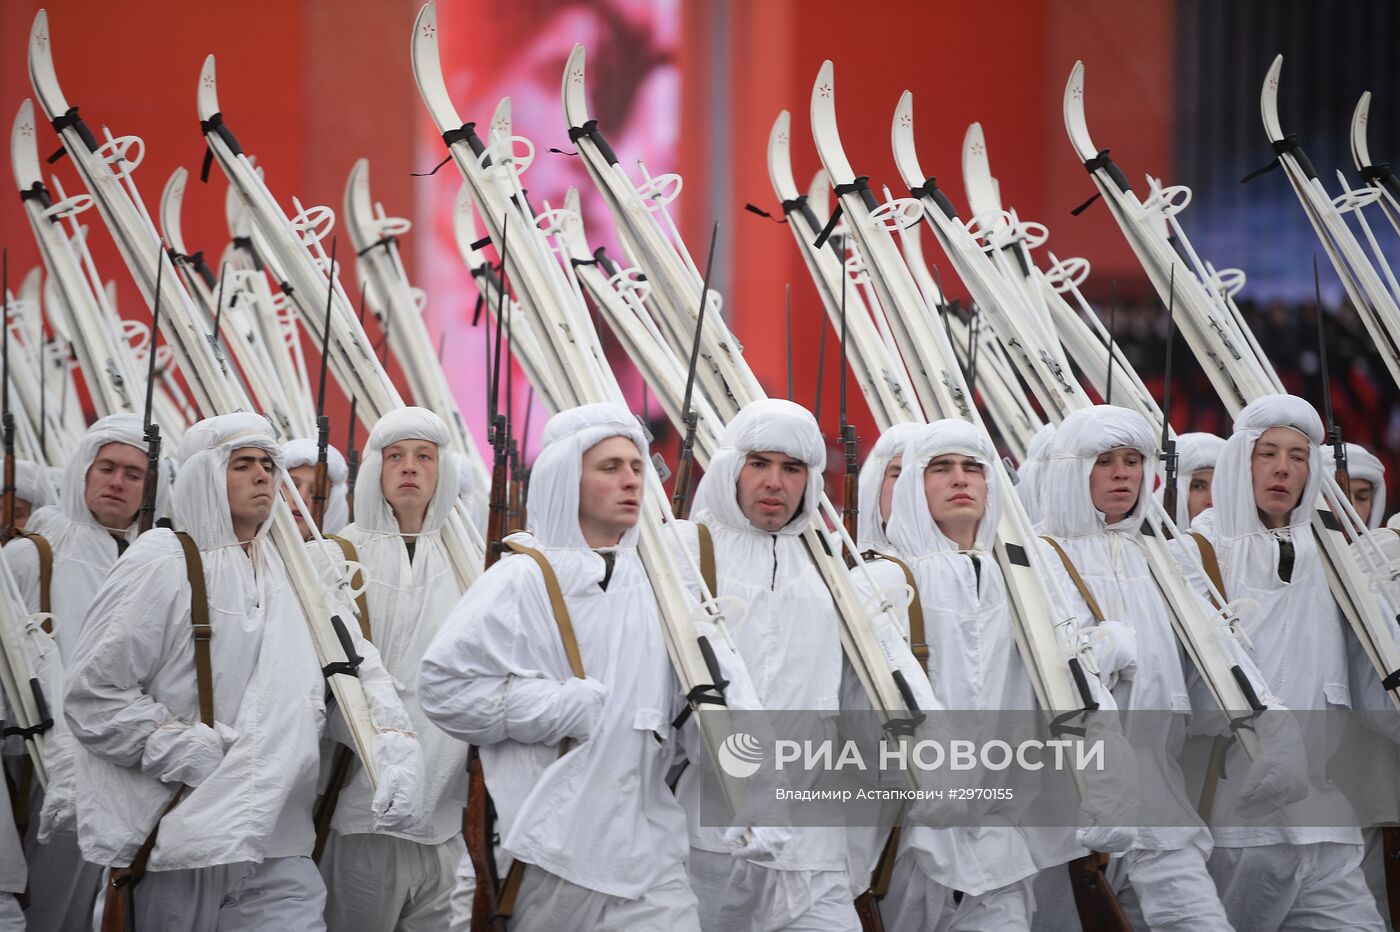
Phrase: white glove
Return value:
(1109, 806)
(188, 754)
(398, 800)
(1279, 774)
(59, 813)
(1115, 648)
(580, 705)
(759, 843)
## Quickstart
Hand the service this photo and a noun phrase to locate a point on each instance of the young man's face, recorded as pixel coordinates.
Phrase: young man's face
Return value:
(410, 476)
(892, 471)
(1198, 492)
(956, 488)
(1115, 481)
(250, 474)
(770, 488)
(610, 491)
(1279, 470)
(304, 478)
(1363, 498)
(115, 481)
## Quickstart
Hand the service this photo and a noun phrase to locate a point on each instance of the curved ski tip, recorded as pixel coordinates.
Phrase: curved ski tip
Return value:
(40, 27)
(208, 89)
(782, 123)
(178, 178)
(903, 125)
(1268, 99)
(1074, 87)
(973, 135)
(425, 24)
(1362, 113)
(825, 74)
(577, 57)
(500, 118)
(25, 116)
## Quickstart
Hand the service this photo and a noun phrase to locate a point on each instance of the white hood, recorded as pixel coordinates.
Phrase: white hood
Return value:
(1194, 451)
(769, 424)
(201, 487)
(72, 503)
(1069, 511)
(372, 511)
(1363, 464)
(1232, 491)
(31, 484)
(302, 452)
(1031, 471)
(911, 529)
(870, 530)
(554, 478)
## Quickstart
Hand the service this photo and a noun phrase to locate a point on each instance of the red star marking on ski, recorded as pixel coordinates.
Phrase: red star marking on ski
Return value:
(1273, 84)
(209, 81)
(1362, 118)
(429, 30)
(42, 39)
(824, 90)
(783, 138)
(502, 126)
(906, 120)
(577, 75)
(1078, 93)
(977, 148)
(26, 129)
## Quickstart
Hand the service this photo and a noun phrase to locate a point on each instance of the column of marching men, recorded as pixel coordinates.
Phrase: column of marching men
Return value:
(191, 697)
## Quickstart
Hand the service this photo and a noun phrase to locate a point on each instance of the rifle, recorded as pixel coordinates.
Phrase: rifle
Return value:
(1098, 906)
(850, 493)
(151, 430)
(479, 817)
(1169, 454)
(680, 494)
(1334, 433)
(321, 483)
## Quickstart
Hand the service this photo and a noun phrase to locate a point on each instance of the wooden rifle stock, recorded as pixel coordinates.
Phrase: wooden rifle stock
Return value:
(868, 911)
(680, 493)
(477, 828)
(151, 483)
(850, 495)
(515, 518)
(321, 483)
(1390, 839)
(1099, 909)
(496, 520)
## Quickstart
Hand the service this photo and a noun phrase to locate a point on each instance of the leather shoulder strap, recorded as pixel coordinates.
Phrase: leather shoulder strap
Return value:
(556, 602)
(1211, 564)
(358, 581)
(1079, 583)
(203, 632)
(45, 552)
(707, 558)
(917, 642)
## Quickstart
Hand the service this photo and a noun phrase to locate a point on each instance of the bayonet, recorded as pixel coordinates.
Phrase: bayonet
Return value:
(680, 495)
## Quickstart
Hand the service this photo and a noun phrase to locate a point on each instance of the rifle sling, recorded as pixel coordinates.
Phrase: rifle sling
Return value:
(204, 681)
(1079, 582)
(45, 553)
(347, 549)
(510, 887)
(917, 643)
(707, 558)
